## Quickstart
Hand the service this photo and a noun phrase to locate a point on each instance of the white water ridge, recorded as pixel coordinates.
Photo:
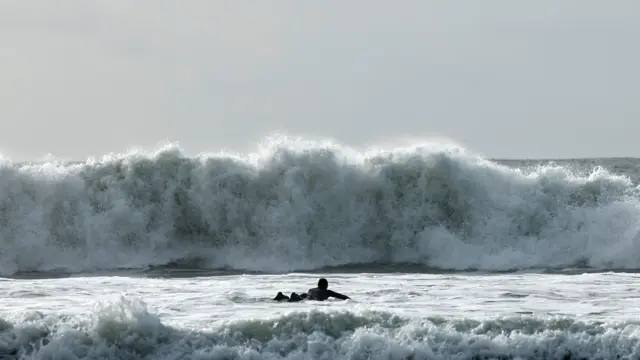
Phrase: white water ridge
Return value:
(390, 316)
(304, 206)
(178, 257)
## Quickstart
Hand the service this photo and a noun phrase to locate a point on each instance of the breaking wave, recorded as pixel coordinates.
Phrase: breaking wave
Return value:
(127, 330)
(296, 205)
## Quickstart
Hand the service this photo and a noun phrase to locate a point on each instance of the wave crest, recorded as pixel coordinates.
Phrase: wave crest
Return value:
(302, 207)
(127, 330)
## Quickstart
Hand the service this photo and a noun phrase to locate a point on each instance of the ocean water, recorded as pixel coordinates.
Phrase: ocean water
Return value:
(445, 254)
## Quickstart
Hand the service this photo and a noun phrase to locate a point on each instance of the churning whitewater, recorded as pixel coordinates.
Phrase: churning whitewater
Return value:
(460, 316)
(300, 205)
(167, 220)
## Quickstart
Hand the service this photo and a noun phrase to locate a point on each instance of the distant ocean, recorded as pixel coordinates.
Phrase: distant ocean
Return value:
(446, 255)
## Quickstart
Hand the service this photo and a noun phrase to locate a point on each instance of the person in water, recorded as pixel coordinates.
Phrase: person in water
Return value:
(319, 293)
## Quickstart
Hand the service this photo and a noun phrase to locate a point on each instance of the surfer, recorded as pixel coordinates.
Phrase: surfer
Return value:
(319, 293)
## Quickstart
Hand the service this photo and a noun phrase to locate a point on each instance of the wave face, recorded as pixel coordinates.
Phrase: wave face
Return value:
(296, 205)
(126, 330)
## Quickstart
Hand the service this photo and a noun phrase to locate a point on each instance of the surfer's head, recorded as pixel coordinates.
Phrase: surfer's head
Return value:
(323, 284)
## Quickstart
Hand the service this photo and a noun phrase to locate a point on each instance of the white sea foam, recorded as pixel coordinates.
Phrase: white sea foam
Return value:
(401, 316)
(301, 205)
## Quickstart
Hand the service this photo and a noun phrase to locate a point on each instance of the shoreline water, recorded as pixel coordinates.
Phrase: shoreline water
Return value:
(392, 317)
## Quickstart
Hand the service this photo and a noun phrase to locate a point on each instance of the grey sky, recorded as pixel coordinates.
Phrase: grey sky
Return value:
(503, 78)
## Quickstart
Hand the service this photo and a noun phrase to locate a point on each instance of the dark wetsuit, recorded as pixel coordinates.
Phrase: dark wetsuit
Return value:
(313, 294)
(323, 294)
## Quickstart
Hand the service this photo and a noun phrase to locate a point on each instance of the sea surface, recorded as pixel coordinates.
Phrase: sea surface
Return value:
(444, 253)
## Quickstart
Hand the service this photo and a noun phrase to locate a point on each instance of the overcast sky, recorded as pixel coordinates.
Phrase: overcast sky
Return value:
(542, 78)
